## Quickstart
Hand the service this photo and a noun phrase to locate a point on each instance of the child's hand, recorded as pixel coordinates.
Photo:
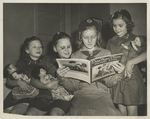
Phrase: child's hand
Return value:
(62, 71)
(118, 67)
(23, 85)
(128, 69)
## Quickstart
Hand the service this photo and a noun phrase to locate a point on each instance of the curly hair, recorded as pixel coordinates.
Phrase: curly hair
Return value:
(125, 15)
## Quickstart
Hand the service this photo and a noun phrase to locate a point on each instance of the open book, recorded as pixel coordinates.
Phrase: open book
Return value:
(90, 70)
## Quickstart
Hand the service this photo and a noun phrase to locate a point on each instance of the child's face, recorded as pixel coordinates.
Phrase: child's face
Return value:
(137, 41)
(35, 49)
(119, 27)
(63, 48)
(11, 69)
(89, 38)
(42, 72)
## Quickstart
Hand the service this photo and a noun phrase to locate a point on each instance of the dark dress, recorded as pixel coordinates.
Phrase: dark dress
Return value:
(132, 91)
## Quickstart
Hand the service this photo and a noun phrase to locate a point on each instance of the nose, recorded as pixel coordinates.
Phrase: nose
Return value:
(89, 40)
(117, 28)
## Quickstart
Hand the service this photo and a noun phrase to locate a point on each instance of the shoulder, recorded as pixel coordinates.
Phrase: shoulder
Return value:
(113, 38)
(77, 54)
(105, 51)
(48, 59)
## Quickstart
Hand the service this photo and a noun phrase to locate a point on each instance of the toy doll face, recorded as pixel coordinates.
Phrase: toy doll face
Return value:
(35, 49)
(137, 41)
(89, 38)
(63, 48)
(42, 72)
(119, 27)
(11, 69)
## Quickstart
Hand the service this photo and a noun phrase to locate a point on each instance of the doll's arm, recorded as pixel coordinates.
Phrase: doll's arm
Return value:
(128, 69)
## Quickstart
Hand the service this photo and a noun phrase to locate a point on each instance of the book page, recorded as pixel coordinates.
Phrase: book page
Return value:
(79, 68)
(102, 66)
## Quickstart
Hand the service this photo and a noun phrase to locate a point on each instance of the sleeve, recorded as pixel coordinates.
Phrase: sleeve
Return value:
(49, 65)
(69, 83)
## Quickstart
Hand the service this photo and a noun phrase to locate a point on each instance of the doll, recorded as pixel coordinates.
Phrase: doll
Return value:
(11, 70)
(58, 92)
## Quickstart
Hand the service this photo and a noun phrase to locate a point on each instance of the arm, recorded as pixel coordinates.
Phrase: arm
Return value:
(22, 84)
(38, 84)
(68, 83)
(128, 69)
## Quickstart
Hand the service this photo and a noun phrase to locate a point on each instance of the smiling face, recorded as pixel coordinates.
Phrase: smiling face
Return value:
(89, 38)
(63, 48)
(119, 27)
(34, 49)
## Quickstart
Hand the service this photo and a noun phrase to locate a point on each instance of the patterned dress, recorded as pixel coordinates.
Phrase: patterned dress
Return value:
(132, 91)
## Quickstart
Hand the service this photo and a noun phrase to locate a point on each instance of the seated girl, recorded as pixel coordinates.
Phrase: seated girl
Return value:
(58, 92)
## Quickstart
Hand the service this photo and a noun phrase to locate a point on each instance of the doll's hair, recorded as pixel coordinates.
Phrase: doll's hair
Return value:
(36, 71)
(26, 44)
(125, 15)
(5, 72)
(85, 25)
(143, 46)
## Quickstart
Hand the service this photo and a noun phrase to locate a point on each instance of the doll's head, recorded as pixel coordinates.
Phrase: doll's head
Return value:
(89, 35)
(38, 71)
(119, 19)
(9, 69)
(139, 43)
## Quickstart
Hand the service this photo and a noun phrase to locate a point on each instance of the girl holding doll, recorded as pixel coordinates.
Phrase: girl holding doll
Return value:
(131, 93)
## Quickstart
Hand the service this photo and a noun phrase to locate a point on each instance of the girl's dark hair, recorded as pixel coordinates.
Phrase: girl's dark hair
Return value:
(5, 73)
(56, 37)
(143, 46)
(26, 43)
(36, 71)
(85, 25)
(125, 15)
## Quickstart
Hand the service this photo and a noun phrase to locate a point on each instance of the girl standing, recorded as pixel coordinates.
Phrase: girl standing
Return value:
(31, 57)
(89, 99)
(127, 94)
(61, 44)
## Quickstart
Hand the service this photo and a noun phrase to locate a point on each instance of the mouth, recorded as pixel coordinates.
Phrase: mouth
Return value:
(38, 52)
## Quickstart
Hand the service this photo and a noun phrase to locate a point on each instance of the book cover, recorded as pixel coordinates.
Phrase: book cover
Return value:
(90, 70)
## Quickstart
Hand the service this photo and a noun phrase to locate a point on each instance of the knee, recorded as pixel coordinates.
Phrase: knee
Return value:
(15, 111)
(57, 112)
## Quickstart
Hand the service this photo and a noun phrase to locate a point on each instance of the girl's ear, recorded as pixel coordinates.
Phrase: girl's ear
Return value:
(27, 51)
(54, 48)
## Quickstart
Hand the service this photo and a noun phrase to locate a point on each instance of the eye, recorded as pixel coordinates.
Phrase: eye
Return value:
(85, 37)
(93, 37)
(62, 48)
(40, 46)
(69, 46)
